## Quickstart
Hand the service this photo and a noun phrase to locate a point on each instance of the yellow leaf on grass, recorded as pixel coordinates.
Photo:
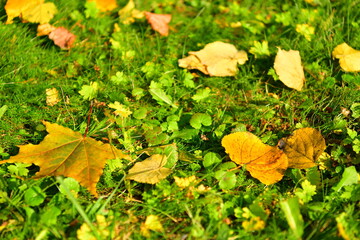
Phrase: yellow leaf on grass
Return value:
(44, 29)
(151, 170)
(129, 13)
(153, 223)
(215, 59)
(120, 109)
(349, 58)
(185, 182)
(264, 162)
(41, 13)
(68, 153)
(52, 96)
(303, 148)
(15, 8)
(105, 5)
(288, 67)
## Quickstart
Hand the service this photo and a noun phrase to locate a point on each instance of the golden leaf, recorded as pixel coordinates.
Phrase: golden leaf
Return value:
(216, 59)
(52, 96)
(304, 147)
(349, 58)
(41, 13)
(185, 182)
(129, 13)
(62, 37)
(15, 8)
(159, 22)
(288, 67)
(151, 170)
(105, 5)
(68, 153)
(152, 222)
(264, 162)
(44, 29)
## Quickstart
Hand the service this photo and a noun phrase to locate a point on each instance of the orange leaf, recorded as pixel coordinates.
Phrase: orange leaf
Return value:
(288, 67)
(264, 162)
(105, 5)
(304, 147)
(62, 37)
(44, 29)
(68, 153)
(159, 22)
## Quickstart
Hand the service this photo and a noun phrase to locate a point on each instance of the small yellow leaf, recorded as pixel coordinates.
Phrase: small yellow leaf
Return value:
(216, 59)
(41, 13)
(120, 109)
(153, 223)
(349, 58)
(151, 170)
(304, 147)
(184, 182)
(52, 96)
(44, 29)
(129, 13)
(306, 30)
(264, 162)
(288, 67)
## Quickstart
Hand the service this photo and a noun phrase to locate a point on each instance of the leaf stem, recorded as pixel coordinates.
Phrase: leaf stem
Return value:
(88, 119)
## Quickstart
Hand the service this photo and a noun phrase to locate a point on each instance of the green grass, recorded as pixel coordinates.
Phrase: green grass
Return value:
(252, 100)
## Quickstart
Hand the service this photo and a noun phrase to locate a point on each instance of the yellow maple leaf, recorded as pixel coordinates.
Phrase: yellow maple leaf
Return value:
(41, 13)
(304, 147)
(288, 67)
(151, 170)
(15, 8)
(349, 58)
(105, 5)
(120, 109)
(215, 59)
(68, 153)
(264, 162)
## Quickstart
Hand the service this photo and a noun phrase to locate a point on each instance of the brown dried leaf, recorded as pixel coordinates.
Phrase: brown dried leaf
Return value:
(159, 22)
(62, 37)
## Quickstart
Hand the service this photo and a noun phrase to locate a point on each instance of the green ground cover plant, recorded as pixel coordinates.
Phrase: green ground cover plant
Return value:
(120, 83)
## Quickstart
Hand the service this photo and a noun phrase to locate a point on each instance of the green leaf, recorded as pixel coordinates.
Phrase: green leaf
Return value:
(49, 217)
(3, 110)
(260, 49)
(211, 158)
(34, 196)
(89, 92)
(71, 184)
(199, 119)
(140, 113)
(185, 134)
(349, 177)
(188, 80)
(291, 209)
(307, 191)
(159, 95)
(355, 109)
(227, 180)
(91, 11)
(119, 78)
(201, 94)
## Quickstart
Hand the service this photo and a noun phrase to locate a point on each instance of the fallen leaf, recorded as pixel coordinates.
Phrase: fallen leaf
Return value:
(41, 13)
(15, 8)
(62, 37)
(288, 67)
(185, 182)
(159, 22)
(349, 58)
(153, 223)
(215, 59)
(120, 109)
(306, 30)
(44, 29)
(68, 153)
(151, 170)
(264, 162)
(105, 5)
(52, 96)
(129, 13)
(303, 148)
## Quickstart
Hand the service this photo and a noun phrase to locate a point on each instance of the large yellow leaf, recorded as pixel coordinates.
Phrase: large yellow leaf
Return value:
(304, 147)
(216, 59)
(288, 67)
(151, 170)
(264, 162)
(349, 58)
(15, 8)
(41, 13)
(68, 153)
